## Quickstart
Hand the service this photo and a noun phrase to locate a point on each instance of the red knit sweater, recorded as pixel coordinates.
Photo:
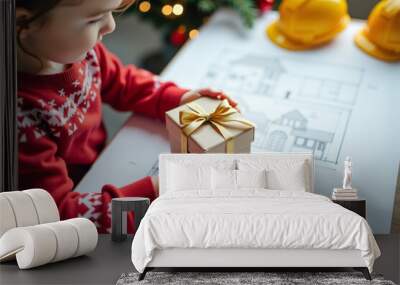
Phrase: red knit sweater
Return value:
(61, 133)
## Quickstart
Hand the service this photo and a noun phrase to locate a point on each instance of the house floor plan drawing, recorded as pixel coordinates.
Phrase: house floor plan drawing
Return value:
(296, 106)
(334, 100)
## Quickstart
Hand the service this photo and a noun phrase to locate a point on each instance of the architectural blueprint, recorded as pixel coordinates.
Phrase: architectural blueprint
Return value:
(334, 101)
(296, 106)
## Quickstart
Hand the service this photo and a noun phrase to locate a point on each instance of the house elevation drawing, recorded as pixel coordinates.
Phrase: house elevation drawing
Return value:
(296, 106)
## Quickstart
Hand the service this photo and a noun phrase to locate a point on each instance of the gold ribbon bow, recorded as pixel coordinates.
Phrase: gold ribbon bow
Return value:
(222, 118)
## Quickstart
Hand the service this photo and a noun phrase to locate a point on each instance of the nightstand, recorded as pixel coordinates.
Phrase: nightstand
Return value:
(119, 209)
(358, 206)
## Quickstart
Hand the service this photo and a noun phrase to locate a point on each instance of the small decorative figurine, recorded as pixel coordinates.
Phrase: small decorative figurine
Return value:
(347, 173)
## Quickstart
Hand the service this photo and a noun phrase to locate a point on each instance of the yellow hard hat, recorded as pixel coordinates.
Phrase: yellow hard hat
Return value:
(381, 36)
(304, 24)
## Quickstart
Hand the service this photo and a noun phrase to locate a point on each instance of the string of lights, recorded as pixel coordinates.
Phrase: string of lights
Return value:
(180, 20)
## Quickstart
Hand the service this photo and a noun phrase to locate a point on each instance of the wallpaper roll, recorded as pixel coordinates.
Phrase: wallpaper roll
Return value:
(46, 208)
(67, 240)
(32, 246)
(23, 208)
(87, 234)
(7, 218)
(40, 244)
(26, 208)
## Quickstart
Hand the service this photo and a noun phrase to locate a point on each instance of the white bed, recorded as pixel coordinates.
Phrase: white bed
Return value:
(248, 227)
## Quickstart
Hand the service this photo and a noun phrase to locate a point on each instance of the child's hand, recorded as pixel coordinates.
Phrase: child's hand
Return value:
(195, 94)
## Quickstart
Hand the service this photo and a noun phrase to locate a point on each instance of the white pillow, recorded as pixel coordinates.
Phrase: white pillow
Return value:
(227, 179)
(251, 178)
(282, 174)
(287, 179)
(183, 177)
(223, 179)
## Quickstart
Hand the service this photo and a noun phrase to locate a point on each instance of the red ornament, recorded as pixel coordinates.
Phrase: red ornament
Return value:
(178, 37)
(264, 5)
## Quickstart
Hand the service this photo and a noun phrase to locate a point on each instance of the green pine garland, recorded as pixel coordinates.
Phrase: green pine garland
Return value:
(245, 8)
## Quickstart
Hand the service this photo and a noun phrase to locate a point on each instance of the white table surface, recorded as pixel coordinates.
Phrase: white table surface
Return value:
(356, 105)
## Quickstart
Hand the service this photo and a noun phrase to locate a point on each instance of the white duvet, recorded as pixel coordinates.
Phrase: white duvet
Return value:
(250, 219)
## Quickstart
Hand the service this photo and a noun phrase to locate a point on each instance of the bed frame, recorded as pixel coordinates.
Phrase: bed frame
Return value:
(249, 259)
(260, 259)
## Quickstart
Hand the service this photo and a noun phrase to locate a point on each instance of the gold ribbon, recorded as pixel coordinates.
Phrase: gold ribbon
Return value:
(222, 118)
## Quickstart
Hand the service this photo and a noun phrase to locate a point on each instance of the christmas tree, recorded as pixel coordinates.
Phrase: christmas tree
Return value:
(180, 20)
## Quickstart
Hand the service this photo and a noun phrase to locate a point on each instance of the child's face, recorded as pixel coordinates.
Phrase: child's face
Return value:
(70, 30)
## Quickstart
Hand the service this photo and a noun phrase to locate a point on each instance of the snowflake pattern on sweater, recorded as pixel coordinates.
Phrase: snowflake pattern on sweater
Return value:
(90, 207)
(68, 112)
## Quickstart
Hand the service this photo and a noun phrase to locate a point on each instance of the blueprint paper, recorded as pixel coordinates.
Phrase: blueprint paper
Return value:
(335, 101)
(297, 105)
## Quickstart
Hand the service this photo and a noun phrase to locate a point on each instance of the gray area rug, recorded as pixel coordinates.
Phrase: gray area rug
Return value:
(230, 278)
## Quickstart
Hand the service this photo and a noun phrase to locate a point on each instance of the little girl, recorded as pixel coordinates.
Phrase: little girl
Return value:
(64, 75)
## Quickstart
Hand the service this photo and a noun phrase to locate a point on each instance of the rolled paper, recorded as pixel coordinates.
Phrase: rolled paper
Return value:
(67, 240)
(41, 244)
(23, 208)
(87, 235)
(7, 218)
(32, 246)
(46, 208)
